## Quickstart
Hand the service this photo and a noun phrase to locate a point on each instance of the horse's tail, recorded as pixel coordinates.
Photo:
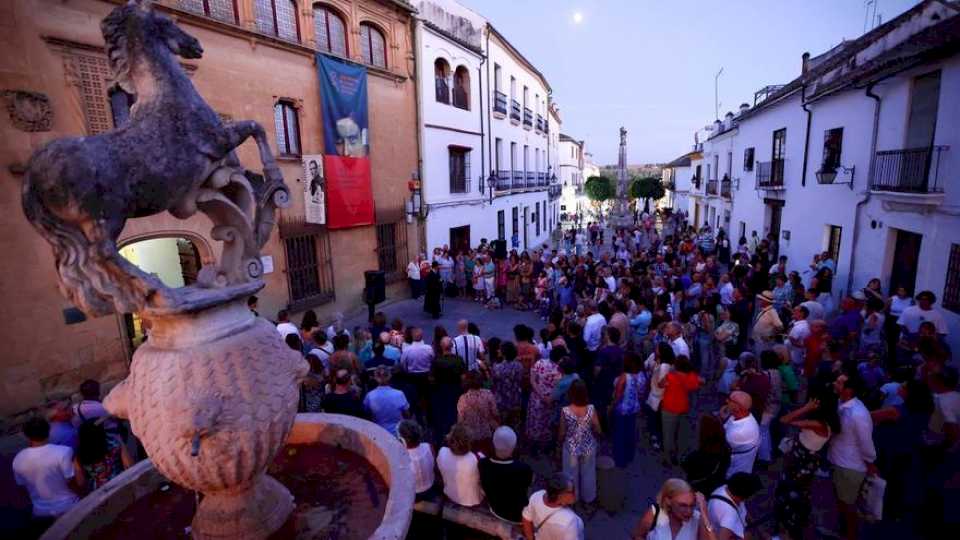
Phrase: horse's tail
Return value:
(70, 251)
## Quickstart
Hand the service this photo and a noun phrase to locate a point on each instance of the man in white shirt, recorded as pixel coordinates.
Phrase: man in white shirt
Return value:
(913, 316)
(726, 290)
(674, 333)
(742, 433)
(417, 356)
(593, 327)
(726, 508)
(548, 516)
(851, 450)
(815, 309)
(799, 332)
(47, 471)
(284, 326)
(468, 346)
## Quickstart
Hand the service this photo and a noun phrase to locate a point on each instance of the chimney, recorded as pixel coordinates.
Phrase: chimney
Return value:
(728, 120)
(744, 107)
(805, 63)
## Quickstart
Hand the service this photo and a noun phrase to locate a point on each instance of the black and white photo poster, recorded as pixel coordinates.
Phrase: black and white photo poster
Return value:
(314, 190)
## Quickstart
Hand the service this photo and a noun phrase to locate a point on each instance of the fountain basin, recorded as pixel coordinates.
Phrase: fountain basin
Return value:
(93, 516)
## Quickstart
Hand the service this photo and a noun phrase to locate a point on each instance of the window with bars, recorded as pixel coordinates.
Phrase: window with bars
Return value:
(392, 250)
(516, 221)
(309, 264)
(501, 225)
(373, 46)
(329, 30)
(834, 234)
(459, 169)
(832, 146)
(222, 10)
(748, 159)
(951, 288)
(90, 73)
(288, 128)
(277, 18)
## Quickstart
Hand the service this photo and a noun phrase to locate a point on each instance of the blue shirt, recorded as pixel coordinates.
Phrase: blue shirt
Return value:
(386, 406)
(391, 353)
(641, 324)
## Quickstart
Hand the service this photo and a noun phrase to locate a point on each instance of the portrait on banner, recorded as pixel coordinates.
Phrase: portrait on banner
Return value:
(314, 189)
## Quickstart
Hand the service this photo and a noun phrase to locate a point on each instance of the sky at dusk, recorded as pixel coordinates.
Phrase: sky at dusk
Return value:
(649, 65)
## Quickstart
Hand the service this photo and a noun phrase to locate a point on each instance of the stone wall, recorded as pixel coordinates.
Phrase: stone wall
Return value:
(54, 49)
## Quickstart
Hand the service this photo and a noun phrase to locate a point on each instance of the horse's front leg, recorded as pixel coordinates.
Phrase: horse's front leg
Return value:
(237, 132)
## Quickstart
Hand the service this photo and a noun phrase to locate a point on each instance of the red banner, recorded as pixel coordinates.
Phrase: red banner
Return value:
(349, 192)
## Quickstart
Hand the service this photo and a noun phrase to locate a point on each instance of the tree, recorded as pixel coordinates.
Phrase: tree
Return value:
(600, 188)
(646, 188)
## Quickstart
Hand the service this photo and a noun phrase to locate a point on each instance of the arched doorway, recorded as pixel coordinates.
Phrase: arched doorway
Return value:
(175, 259)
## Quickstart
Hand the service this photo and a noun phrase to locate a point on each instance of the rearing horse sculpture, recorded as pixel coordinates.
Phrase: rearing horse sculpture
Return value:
(174, 154)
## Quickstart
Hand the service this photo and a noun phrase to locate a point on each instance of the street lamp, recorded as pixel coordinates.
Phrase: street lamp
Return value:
(828, 175)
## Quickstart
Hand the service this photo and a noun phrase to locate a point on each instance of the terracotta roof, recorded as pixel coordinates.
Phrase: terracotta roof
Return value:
(682, 161)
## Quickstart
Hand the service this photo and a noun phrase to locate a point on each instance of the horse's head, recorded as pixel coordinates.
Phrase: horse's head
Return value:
(134, 31)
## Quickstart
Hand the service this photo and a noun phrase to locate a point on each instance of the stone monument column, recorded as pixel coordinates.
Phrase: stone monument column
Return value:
(621, 216)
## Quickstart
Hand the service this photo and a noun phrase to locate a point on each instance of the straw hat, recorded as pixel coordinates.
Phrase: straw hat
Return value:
(766, 296)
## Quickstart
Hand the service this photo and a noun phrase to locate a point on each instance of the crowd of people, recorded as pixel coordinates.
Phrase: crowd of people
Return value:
(735, 368)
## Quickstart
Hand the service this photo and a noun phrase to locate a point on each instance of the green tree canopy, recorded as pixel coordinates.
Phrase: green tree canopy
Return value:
(600, 188)
(647, 188)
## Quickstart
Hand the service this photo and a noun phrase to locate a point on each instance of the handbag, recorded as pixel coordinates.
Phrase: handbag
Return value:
(870, 502)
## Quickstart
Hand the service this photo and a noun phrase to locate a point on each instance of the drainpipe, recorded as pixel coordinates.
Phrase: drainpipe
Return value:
(483, 158)
(866, 198)
(418, 92)
(806, 141)
(486, 53)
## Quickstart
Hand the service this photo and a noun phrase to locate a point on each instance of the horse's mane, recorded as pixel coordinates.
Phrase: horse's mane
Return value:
(114, 29)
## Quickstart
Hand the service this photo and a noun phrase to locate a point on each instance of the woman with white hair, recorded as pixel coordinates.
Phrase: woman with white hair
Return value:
(679, 513)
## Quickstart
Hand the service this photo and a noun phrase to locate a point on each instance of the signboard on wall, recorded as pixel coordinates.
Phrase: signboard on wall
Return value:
(314, 190)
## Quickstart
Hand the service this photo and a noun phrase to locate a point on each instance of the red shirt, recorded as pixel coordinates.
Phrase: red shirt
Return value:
(814, 352)
(676, 394)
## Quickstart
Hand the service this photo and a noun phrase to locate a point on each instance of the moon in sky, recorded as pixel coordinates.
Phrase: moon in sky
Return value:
(577, 17)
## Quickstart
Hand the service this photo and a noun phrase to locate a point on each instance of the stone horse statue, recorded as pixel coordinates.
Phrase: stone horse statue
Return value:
(175, 154)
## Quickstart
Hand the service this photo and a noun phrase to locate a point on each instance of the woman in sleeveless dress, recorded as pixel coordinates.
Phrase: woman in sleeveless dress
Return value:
(579, 427)
(627, 396)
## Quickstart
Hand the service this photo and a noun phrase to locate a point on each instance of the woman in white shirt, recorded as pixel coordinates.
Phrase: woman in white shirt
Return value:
(658, 364)
(421, 458)
(679, 514)
(459, 469)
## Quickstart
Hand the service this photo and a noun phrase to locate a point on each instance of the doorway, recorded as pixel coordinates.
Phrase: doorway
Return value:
(460, 239)
(176, 261)
(526, 225)
(775, 216)
(906, 256)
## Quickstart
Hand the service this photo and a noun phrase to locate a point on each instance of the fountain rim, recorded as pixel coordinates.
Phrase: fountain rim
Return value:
(144, 478)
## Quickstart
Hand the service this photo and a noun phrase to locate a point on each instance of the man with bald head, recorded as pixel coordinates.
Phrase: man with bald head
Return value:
(742, 432)
(468, 346)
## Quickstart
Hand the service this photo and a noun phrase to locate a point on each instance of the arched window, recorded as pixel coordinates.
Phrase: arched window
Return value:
(441, 74)
(461, 88)
(277, 18)
(330, 30)
(373, 47)
(222, 10)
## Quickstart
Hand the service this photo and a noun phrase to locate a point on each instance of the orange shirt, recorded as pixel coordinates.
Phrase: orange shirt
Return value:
(676, 394)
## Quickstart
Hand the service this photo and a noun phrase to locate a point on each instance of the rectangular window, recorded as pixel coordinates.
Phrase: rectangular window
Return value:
(716, 166)
(459, 168)
(288, 128)
(392, 250)
(748, 159)
(502, 225)
(526, 96)
(951, 288)
(833, 242)
(497, 78)
(516, 222)
(729, 165)
(526, 160)
(832, 145)
(536, 217)
(924, 104)
(513, 88)
(498, 151)
(309, 264)
(743, 230)
(778, 156)
(513, 157)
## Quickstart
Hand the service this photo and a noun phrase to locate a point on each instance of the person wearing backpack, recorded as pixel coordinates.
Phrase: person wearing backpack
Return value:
(726, 508)
(100, 456)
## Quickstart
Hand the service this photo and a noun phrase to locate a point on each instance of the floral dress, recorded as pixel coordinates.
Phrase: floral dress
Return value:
(792, 494)
(103, 471)
(579, 440)
(477, 411)
(544, 376)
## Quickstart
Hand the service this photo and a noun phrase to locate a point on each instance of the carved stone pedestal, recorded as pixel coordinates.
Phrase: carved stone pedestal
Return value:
(212, 395)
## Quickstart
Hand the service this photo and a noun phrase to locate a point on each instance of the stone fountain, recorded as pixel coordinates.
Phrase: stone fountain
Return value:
(213, 393)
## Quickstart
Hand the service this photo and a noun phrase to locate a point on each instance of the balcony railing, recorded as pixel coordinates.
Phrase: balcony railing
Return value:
(517, 180)
(527, 117)
(711, 187)
(540, 123)
(770, 174)
(912, 170)
(499, 102)
(531, 179)
(515, 110)
(725, 187)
